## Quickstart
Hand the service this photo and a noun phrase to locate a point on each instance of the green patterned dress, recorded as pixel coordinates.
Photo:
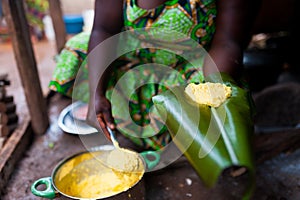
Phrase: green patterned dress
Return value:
(193, 18)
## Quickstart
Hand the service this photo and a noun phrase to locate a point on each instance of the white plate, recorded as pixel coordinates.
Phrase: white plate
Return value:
(69, 124)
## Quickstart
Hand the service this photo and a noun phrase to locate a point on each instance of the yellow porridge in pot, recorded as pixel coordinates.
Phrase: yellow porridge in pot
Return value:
(85, 176)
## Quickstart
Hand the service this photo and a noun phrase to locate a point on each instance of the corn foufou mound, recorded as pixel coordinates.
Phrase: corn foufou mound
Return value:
(211, 94)
(124, 160)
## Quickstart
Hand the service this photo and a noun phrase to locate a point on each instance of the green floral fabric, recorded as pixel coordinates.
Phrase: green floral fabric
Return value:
(68, 62)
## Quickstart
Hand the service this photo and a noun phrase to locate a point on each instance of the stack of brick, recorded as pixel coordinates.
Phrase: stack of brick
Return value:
(8, 115)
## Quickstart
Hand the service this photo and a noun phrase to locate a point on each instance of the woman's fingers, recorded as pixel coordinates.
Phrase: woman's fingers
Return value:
(104, 115)
(102, 124)
(109, 120)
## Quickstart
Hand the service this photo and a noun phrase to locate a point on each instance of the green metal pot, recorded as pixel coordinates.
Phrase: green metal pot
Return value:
(80, 167)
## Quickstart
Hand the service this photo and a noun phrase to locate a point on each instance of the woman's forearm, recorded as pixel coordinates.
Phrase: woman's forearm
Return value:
(234, 23)
(108, 21)
(98, 53)
(226, 58)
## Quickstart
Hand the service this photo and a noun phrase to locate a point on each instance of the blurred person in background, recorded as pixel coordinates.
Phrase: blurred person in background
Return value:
(36, 10)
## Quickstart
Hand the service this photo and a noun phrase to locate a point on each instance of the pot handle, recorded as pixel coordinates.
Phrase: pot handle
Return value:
(48, 193)
(151, 158)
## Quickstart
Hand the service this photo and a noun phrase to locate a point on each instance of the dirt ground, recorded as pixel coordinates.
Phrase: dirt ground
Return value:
(277, 178)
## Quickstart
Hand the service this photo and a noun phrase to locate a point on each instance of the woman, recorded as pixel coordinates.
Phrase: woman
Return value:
(223, 28)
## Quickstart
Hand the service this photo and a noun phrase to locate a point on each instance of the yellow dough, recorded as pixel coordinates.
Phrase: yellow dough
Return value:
(124, 160)
(211, 94)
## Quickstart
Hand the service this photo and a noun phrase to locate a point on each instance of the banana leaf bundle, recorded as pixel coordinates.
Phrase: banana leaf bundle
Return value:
(211, 138)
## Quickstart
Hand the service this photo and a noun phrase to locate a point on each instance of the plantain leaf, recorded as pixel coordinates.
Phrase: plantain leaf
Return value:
(212, 139)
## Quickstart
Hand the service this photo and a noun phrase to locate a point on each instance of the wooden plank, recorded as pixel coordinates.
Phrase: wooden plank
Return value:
(26, 63)
(2, 92)
(9, 107)
(3, 118)
(12, 118)
(58, 24)
(13, 150)
(3, 107)
(4, 131)
(8, 99)
(2, 140)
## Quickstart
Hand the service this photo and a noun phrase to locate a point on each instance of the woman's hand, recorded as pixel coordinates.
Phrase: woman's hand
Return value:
(104, 115)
